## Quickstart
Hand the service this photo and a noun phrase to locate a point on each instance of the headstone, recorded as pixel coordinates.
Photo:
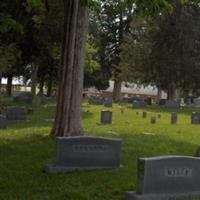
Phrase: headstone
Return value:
(95, 100)
(172, 104)
(24, 97)
(162, 102)
(174, 118)
(106, 117)
(139, 104)
(85, 153)
(159, 116)
(107, 102)
(144, 114)
(3, 122)
(195, 118)
(167, 178)
(16, 113)
(153, 120)
(197, 102)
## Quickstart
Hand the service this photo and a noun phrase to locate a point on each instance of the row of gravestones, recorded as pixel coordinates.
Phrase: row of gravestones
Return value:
(195, 118)
(107, 101)
(12, 114)
(159, 178)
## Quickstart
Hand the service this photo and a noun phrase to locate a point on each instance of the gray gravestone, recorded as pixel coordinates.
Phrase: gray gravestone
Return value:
(3, 122)
(167, 178)
(153, 120)
(139, 104)
(85, 153)
(16, 113)
(24, 96)
(197, 102)
(174, 118)
(95, 100)
(172, 104)
(144, 114)
(195, 118)
(106, 117)
(107, 102)
(162, 102)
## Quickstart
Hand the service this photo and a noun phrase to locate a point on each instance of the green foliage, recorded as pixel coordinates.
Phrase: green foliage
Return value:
(34, 3)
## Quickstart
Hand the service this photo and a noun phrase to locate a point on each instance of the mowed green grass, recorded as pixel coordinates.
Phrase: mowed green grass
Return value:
(25, 148)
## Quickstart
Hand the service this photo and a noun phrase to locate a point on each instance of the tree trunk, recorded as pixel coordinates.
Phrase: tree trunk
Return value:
(33, 79)
(117, 91)
(42, 86)
(171, 93)
(68, 114)
(159, 94)
(9, 85)
(49, 86)
(0, 81)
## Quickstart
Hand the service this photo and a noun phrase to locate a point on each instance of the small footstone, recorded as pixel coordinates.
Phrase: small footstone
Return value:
(153, 120)
(174, 118)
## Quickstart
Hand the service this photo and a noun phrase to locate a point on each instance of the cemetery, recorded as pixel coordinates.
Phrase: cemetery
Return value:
(100, 100)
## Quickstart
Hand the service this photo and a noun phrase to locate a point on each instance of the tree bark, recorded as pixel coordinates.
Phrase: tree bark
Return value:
(171, 93)
(117, 91)
(49, 86)
(33, 79)
(9, 85)
(42, 86)
(68, 114)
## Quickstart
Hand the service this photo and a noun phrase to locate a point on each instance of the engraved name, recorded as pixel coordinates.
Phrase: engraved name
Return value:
(90, 148)
(178, 172)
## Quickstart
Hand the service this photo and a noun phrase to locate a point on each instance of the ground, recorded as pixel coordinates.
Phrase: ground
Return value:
(26, 147)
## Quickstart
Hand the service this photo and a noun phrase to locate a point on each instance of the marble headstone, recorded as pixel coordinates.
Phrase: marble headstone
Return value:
(3, 122)
(167, 178)
(16, 113)
(85, 153)
(106, 117)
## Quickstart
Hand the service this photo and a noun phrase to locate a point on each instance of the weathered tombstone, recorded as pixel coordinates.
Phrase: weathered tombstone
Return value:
(16, 113)
(95, 100)
(85, 153)
(139, 104)
(167, 178)
(172, 104)
(107, 102)
(144, 114)
(174, 118)
(153, 120)
(195, 118)
(197, 102)
(162, 102)
(106, 117)
(3, 122)
(24, 97)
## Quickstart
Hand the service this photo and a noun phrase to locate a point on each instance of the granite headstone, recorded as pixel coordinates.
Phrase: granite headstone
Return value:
(16, 113)
(85, 153)
(106, 117)
(167, 178)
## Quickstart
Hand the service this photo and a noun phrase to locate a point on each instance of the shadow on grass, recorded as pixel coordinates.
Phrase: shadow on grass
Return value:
(22, 160)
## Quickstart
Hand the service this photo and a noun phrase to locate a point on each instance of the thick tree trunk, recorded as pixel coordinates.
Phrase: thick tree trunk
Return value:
(171, 93)
(0, 81)
(68, 115)
(49, 87)
(159, 94)
(9, 85)
(34, 80)
(117, 91)
(41, 87)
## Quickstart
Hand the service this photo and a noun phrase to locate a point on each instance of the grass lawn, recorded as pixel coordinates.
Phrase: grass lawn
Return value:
(26, 147)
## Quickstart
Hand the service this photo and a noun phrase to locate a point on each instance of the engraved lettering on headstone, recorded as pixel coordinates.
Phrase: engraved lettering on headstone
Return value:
(178, 172)
(90, 148)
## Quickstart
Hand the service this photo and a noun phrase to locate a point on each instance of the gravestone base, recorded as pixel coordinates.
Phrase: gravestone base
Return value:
(54, 169)
(178, 196)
